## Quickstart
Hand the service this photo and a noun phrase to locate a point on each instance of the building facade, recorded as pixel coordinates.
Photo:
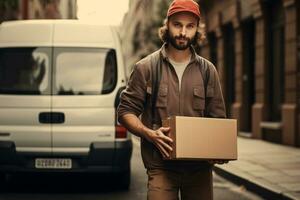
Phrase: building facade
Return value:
(255, 45)
(139, 30)
(47, 9)
(8, 10)
(37, 9)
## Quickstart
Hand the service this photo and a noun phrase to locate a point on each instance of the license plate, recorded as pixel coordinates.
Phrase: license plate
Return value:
(53, 163)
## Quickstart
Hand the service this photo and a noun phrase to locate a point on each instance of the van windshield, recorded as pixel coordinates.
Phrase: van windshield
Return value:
(75, 71)
(84, 71)
(25, 70)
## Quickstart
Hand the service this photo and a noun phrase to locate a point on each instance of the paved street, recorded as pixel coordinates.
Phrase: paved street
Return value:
(94, 187)
(272, 169)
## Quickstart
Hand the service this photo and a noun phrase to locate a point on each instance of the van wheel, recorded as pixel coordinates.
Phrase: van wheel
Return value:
(2, 179)
(124, 180)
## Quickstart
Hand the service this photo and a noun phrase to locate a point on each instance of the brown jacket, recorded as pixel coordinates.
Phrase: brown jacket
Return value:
(190, 101)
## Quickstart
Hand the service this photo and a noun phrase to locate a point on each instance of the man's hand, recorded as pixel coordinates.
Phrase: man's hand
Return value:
(157, 137)
(219, 162)
(160, 139)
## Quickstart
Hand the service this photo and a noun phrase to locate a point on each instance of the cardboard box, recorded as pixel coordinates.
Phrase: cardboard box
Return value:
(203, 138)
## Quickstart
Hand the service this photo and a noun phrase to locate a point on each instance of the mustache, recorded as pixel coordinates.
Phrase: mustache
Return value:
(180, 37)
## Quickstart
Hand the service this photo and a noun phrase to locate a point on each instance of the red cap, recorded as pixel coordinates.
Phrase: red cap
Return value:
(184, 6)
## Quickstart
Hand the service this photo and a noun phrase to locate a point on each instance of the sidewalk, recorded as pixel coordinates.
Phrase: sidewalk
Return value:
(268, 169)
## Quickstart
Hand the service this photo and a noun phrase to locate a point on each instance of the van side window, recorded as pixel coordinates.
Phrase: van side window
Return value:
(110, 72)
(24, 71)
(84, 71)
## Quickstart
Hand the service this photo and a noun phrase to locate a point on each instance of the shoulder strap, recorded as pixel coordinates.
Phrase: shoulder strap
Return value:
(156, 71)
(205, 72)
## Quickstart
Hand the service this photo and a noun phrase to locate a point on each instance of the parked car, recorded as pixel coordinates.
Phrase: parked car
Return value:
(60, 82)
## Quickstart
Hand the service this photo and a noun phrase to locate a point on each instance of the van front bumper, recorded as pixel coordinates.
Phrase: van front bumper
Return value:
(104, 157)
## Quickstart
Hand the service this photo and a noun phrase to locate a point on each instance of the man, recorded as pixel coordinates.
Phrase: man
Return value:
(189, 86)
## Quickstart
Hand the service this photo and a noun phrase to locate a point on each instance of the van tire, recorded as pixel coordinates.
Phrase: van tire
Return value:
(2, 179)
(124, 180)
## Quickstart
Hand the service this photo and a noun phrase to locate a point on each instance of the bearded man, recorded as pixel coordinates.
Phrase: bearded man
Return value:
(183, 84)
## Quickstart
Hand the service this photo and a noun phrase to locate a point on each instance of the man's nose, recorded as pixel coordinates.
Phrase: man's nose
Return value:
(183, 31)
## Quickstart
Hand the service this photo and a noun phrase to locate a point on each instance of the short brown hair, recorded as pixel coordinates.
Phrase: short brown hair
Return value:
(200, 36)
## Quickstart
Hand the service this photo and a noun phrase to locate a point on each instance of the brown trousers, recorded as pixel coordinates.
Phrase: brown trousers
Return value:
(193, 185)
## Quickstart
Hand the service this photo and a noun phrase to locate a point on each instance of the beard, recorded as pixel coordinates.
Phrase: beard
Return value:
(180, 42)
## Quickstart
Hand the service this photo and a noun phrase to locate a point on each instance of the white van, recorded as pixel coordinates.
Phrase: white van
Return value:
(59, 86)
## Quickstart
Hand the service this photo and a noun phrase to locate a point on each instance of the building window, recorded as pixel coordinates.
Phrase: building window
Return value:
(276, 48)
(229, 67)
(248, 91)
(212, 40)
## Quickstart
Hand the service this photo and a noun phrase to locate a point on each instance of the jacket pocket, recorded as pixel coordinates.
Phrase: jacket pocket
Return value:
(198, 98)
(162, 95)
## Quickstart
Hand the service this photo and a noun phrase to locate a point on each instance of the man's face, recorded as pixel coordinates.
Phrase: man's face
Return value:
(182, 30)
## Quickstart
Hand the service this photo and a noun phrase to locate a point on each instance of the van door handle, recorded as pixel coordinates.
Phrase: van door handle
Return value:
(51, 117)
(45, 117)
(57, 118)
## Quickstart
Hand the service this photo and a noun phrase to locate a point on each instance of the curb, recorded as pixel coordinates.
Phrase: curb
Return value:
(261, 190)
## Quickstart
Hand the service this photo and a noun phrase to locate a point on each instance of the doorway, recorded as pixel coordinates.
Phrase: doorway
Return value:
(248, 73)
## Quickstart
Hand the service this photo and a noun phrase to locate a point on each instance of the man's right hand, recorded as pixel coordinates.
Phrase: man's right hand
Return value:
(160, 139)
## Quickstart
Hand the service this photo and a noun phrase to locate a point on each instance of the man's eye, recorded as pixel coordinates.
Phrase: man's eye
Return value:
(190, 26)
(177, 25)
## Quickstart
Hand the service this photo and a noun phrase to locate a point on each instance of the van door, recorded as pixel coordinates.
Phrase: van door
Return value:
(83, 99)
(25, 98)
